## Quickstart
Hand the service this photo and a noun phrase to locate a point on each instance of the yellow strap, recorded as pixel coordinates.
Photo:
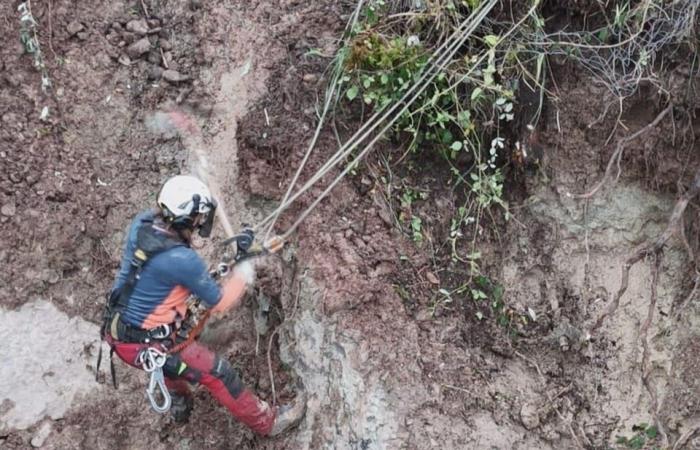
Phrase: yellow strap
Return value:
(140, 254)
(113, 326)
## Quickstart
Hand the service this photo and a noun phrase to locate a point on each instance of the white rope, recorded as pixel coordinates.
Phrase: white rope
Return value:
(369, 146)
(329, 98)
(440, 58)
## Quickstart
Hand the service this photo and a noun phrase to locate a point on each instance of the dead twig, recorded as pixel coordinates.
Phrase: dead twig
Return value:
(165, 61)
(145, 10)
(602, 115)
(680, 443)
(643, 335)
(650, 248)
(616, 157)
(457, 388)
(51, 31)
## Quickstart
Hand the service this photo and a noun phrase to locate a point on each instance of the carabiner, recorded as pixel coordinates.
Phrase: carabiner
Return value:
(152, 360)
(157, 380)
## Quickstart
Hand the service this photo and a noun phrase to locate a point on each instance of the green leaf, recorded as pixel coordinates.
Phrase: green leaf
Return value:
(476, 93)
(637, 442)
(497, 292)
(651, 432)
(352, 92)
(491, 40)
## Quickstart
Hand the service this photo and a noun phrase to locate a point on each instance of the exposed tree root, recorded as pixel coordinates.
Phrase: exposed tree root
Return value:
(616, 157)
(690, 296)
(272, 337)
(650, 248)
(653, 248)
(646, 367)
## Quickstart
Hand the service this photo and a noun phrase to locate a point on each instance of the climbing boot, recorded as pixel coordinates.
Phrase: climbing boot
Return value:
(289, 415)
(181, 408)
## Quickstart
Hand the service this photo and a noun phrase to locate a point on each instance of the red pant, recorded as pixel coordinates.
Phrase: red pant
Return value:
(197, 364)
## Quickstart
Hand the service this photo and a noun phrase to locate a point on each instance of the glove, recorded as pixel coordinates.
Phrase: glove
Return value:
(244, 240)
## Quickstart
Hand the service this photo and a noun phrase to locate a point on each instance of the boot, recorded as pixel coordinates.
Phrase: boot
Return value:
(181, 407)
(289, 415)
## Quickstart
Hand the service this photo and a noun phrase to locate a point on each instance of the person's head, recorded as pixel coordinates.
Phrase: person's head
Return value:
(186, 204)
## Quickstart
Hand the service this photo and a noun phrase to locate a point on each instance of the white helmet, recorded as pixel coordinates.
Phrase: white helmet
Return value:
(182, 198)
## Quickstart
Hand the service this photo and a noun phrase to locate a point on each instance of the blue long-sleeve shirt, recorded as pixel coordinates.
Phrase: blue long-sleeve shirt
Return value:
(166, 281)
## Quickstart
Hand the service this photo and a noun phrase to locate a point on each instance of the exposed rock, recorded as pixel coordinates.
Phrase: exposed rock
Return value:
(83, 35)
(139, 27)
(50, 387)
(310, 77)
(41, 435)
(174, 76)
(154, 57)
(138, 48)
(155, 72)
(74, 28)
(529, 416)
(128, 37)
(165, 44)
(8, 209)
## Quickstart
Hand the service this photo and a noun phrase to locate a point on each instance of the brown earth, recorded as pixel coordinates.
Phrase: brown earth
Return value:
(388, 363)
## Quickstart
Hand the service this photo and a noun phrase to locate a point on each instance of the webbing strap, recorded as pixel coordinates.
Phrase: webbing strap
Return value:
(148, 245)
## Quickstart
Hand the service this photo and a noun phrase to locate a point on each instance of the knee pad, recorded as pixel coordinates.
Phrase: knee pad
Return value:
(229, 376)
(175, 368)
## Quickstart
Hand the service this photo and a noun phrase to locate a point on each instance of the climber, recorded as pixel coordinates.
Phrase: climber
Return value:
(159, 271)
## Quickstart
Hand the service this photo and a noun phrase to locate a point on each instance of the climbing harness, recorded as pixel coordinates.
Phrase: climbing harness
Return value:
(148, 244)
(152, 360)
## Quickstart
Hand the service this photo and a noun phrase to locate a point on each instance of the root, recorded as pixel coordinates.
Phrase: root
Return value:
(690, 296)
(551, 400)
(646, 368)
(616, 157)
(269, 366)
(651, 248)
(680, 443)
(272, 338)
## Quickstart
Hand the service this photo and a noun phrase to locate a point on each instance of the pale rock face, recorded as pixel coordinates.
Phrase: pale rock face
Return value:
(44, 364)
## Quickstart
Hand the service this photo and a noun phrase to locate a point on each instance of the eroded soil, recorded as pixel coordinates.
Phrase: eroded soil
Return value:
(386, 365)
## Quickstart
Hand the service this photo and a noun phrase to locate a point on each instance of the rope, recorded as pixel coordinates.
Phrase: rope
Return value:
(329, 97)
(369, 146)
(440, 58)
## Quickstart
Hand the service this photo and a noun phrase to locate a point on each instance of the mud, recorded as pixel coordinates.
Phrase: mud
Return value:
(359, 326)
